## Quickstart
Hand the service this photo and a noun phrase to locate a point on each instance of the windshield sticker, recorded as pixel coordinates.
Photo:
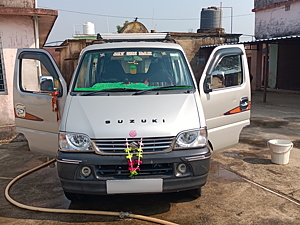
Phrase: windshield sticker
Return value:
(119, 53)
(131, 53)
(145, 53)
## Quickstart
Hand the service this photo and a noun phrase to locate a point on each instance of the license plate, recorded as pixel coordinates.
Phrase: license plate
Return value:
(134, 186)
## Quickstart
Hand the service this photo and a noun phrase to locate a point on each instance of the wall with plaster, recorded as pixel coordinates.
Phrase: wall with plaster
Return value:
(278, 21)
(15, 33)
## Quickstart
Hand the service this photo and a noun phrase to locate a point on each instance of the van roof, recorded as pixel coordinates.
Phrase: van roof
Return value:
(131, 44)
(132, 36)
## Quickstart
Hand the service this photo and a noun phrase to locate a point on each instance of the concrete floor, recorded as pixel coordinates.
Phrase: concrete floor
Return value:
(244, 186)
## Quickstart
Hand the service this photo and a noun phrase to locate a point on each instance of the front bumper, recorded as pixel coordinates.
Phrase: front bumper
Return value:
(154, 166)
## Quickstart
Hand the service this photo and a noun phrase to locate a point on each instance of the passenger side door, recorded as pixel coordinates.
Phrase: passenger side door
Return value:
(225, 95)
(39, 97)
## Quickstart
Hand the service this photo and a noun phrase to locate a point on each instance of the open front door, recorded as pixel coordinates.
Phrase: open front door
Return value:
(39, 97)
(225, 95)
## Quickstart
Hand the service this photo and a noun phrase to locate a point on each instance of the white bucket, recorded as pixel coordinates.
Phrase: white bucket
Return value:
(280, 150)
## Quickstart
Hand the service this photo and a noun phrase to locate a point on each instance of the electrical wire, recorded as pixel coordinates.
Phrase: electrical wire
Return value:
(143, 18)
(70, 211)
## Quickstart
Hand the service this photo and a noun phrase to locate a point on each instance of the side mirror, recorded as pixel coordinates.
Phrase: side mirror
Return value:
(220, 75)
(207, 84)
(217, 80)
(47, 83)
(214, 81)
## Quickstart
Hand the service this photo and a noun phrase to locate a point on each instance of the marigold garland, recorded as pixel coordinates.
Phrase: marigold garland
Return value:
(131, 152)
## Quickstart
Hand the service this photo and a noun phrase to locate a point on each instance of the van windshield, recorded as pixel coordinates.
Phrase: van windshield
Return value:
(132, 69)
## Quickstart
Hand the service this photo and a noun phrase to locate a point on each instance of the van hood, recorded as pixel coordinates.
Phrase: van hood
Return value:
(124, 116)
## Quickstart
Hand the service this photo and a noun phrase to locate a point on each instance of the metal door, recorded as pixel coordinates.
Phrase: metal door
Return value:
(39, 97)
(225, 95)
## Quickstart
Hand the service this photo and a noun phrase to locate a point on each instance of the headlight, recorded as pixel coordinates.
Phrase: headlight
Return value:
(192, 138)
(74, 142)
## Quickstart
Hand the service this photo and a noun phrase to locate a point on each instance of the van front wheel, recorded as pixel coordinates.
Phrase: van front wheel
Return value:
(195, 193)
(73, 197)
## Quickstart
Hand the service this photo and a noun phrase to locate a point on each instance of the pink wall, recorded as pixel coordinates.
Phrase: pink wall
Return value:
(18, 3)
(16, 32)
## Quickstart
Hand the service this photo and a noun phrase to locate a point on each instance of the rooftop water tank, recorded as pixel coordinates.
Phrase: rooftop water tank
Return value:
(211, 18)
(88, 28)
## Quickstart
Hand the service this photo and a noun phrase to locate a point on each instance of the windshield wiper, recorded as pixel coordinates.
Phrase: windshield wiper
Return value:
(89, 93)
(171, 87)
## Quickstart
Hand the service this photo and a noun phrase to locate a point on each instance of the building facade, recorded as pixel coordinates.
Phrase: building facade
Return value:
(274, 55)
(21, 26)
(276, 18)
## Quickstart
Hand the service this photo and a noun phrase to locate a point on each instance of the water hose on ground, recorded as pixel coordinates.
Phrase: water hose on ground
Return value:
(70, 211)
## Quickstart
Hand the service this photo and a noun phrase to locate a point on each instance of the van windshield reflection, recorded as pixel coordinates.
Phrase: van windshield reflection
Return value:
(132, 69)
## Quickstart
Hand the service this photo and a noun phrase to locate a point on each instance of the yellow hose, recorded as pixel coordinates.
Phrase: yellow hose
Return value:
(91, 212)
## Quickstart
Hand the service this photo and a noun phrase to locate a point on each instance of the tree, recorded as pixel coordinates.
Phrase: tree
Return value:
(119, 28)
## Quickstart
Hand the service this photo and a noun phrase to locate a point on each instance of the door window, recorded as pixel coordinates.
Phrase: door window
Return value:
(227, 73)
(37, 74)
(3, 89)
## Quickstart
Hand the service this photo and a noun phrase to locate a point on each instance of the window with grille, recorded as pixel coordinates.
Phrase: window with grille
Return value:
(3, 89)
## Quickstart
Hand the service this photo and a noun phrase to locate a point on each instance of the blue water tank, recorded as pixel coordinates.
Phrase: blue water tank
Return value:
(211, 17)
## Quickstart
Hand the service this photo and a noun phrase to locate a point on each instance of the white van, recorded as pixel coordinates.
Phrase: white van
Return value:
(133, 119)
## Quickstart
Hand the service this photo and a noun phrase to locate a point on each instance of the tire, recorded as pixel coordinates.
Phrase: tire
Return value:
(72, 196)
(195, 193)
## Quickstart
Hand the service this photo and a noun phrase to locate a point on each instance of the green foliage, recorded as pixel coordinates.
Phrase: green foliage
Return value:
(119, 28)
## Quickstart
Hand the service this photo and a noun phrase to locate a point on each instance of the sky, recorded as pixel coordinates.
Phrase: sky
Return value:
(158, 15)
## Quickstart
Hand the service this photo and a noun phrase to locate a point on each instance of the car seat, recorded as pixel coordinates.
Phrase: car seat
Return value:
(113, 72)
(158, 75)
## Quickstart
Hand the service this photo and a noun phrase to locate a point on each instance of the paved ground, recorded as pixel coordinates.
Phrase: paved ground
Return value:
(244, 186)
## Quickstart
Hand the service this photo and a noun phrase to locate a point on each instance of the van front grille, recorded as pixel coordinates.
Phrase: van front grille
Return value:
(117, 146)
(121, 171)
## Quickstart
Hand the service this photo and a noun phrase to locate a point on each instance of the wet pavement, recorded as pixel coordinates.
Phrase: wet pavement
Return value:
(243, 187)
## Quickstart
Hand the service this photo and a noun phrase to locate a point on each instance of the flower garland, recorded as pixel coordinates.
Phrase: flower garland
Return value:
(132, 149)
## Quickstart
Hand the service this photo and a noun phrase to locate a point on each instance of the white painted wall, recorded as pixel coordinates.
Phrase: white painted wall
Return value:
(276, 22)
(16, 32)
(262, 3)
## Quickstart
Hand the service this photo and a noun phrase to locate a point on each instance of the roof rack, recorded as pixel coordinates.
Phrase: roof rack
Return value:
(134, 37)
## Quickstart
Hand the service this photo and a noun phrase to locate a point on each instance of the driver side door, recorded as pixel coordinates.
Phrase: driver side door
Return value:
(225, 95)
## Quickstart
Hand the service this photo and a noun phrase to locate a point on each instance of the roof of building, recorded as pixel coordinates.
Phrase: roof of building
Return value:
(46, 19)
(268, 40)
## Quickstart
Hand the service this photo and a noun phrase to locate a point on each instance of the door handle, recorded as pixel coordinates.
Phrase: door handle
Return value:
(244, 102)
